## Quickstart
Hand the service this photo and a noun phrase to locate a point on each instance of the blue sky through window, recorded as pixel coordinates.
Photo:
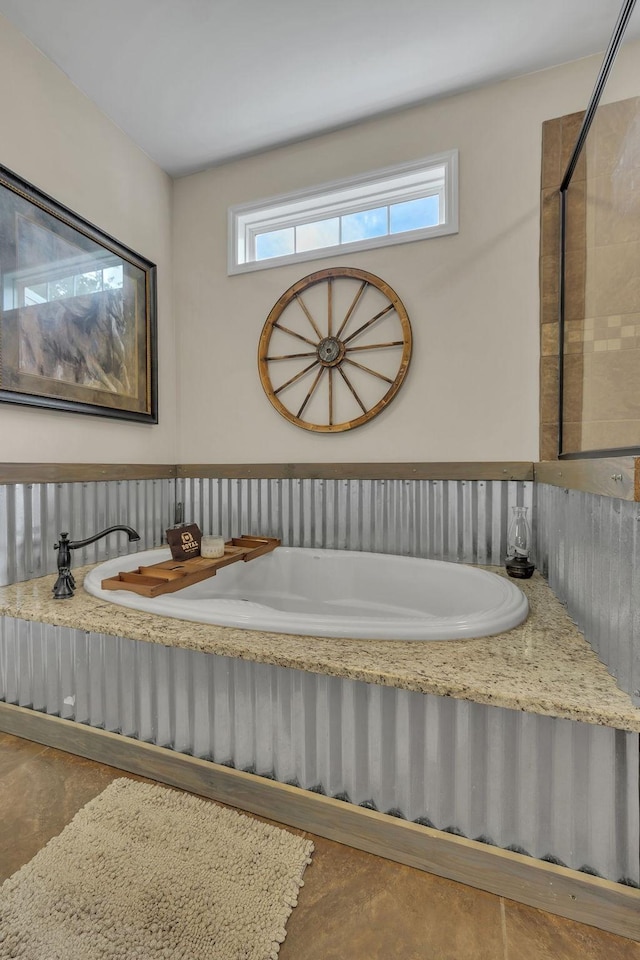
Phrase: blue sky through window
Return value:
(349, 228)
(277, 243)
(322, 233)
(364, 225)
(414, 214)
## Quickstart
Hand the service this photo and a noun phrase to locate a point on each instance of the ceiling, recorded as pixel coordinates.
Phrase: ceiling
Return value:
(199, 82)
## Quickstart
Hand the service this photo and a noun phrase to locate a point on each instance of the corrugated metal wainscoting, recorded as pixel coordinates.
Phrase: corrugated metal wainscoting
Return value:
(463, 520)
(588, 547)
(553, 788)
(442, 519)
(33, 515)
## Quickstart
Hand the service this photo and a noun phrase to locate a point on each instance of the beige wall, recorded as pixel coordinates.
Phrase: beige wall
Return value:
(58, 140)
(472, 389)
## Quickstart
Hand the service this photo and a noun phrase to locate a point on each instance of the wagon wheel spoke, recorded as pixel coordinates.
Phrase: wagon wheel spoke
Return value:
(297, 377)
(308, 316)
(365, 326)
(293, 356)
(330, 369)
(351, 309)
(311, 391)
(373, 346)
(292, 333)
(374, 373)
(352, 389)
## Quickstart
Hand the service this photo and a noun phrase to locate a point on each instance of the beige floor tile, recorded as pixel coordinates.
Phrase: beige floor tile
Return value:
(39, 796)
(358, 906)
(14, 752)
(534, 935)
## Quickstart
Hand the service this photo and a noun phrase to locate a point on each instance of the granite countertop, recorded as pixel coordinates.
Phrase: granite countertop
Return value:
(544, 666)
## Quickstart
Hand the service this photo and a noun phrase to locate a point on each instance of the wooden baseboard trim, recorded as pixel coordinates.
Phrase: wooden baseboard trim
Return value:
(567, 893)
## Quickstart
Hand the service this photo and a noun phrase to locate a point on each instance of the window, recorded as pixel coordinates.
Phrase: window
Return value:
(411, 201)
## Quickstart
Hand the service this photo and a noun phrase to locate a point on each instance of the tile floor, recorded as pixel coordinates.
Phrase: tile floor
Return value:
(353, 906)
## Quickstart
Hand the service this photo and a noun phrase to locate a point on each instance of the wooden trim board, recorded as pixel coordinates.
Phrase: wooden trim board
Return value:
(615, 477)
(79, 472)
(567, 893)
(511, 470)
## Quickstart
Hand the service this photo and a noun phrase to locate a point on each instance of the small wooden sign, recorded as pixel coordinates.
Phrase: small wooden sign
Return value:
(184, 541)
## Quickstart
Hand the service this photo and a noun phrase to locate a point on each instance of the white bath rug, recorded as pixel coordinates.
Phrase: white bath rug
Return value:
(146, 872)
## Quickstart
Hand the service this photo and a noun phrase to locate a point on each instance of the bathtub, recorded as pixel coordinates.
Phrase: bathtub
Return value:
(334, 593)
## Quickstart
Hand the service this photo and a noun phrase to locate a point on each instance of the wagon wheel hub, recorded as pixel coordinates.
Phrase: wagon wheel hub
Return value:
(330, 351)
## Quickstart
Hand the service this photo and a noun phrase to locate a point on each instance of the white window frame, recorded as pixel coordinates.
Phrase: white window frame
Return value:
(437, 174)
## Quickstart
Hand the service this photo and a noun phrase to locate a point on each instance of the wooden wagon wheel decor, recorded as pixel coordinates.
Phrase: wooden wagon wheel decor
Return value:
(335, 349)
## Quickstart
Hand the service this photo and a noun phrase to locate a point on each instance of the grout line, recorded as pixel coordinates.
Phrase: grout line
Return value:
(503, 924)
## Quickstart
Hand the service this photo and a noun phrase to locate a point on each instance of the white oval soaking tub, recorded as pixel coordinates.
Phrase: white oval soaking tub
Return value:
(334, 593)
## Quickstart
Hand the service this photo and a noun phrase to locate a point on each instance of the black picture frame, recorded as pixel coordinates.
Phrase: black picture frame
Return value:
(78, 312)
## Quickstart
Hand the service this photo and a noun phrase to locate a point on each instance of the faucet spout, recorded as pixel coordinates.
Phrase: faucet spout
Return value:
(66, 584)
(78, 544)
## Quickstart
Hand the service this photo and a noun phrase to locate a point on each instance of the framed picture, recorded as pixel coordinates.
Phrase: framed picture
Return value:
(77, 312)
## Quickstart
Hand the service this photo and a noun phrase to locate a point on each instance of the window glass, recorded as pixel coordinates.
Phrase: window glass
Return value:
(322, 233)
(414, 214)
(364, 225)
(277, 243)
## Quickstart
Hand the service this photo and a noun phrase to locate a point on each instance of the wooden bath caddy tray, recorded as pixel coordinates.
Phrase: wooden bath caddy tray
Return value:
(172, 575)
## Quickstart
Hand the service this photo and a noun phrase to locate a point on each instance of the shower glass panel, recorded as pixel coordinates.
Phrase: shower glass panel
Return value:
(600, 322)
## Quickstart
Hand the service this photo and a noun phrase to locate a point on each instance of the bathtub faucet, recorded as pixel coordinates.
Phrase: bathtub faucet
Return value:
(66, 584)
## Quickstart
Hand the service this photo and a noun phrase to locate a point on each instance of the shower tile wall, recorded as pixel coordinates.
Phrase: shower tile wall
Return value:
(588, 548)
(601, 361)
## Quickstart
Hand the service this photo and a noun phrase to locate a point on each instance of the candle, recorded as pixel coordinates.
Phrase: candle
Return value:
(212, 547)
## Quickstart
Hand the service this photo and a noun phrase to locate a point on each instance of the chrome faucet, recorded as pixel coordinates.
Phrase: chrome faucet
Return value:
(66, 584)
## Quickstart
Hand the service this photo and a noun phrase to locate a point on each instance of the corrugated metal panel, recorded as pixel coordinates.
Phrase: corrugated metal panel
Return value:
(589, 550)
(32, 516)
(440, 519)
(553, 788)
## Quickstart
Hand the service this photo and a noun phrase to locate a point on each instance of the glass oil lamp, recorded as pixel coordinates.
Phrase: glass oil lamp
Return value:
(518, 563)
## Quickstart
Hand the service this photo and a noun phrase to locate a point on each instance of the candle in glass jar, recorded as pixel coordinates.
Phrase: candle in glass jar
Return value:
(212, 547)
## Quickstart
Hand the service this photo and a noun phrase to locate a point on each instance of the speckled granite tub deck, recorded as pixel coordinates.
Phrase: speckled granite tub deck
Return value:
(544, 666)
